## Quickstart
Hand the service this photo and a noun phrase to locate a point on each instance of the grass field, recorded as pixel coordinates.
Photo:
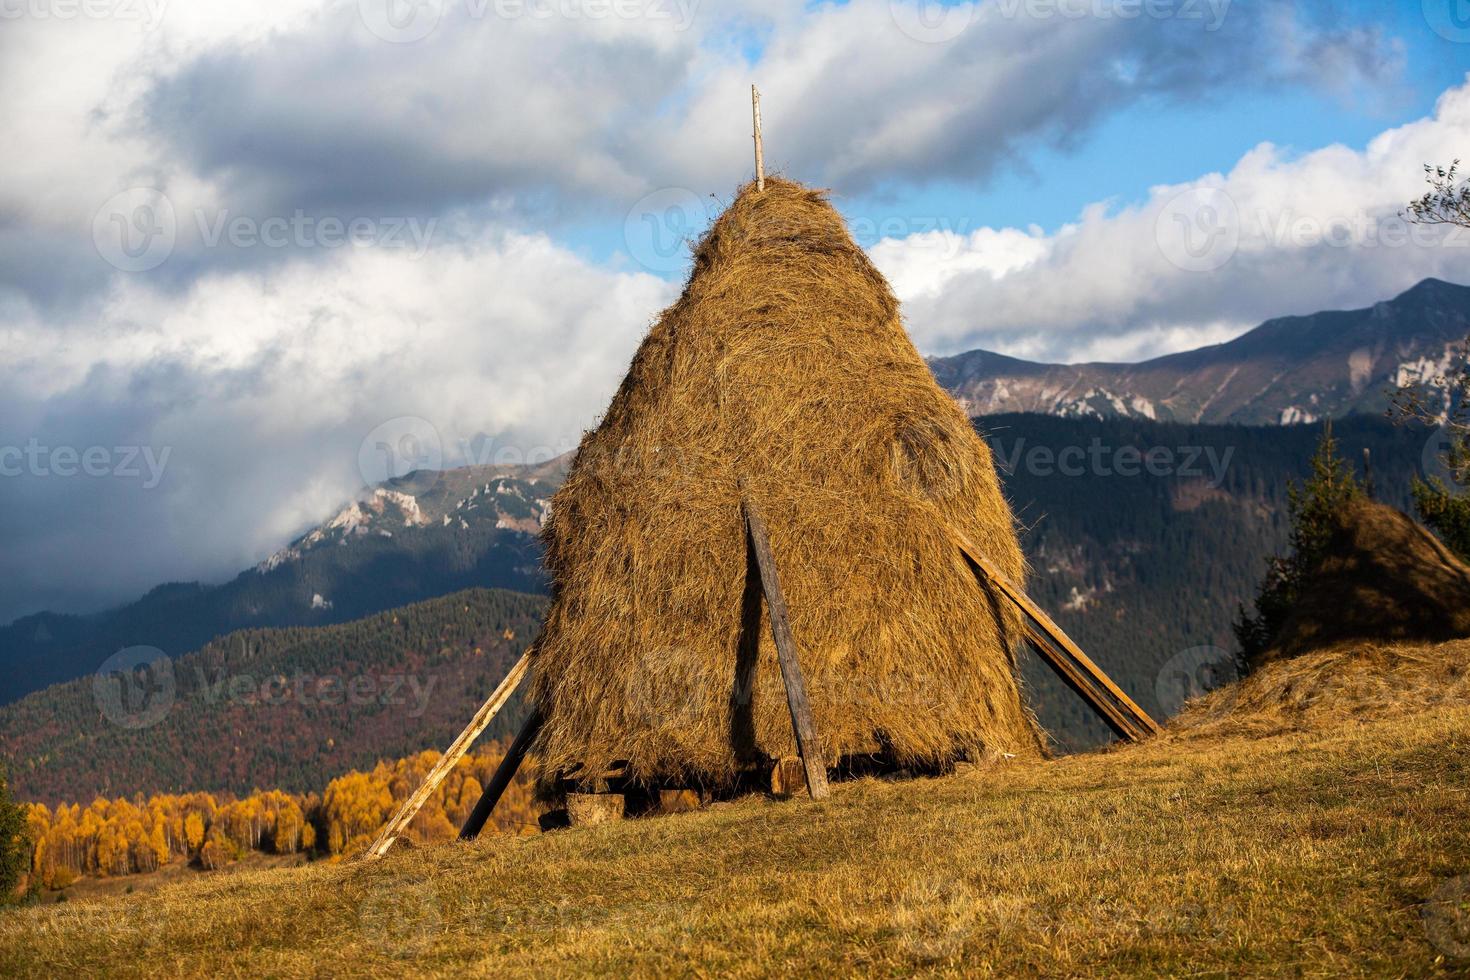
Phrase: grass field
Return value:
(1336, 850)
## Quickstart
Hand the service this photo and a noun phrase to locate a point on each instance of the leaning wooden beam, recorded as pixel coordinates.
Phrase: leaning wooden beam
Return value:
(514, 756)
(1066, 657)
(801, 710)
(1113, 713)
(450, 758)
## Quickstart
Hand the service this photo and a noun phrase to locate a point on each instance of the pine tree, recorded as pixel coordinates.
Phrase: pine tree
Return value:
(15, 845)
(1312, 507)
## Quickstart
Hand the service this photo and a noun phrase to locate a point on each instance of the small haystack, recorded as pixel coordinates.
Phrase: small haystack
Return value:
(1324, 688)
(1373, 635)
(1384, 579)
(783, 372)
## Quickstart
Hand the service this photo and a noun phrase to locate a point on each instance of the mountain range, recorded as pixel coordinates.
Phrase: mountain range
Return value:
(1291, 369)
(424, 535)
(1102, 543)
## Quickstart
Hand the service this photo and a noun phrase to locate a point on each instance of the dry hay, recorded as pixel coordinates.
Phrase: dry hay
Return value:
(1353, 646)
(1346, 682)
(784, 365)
(1384, 578)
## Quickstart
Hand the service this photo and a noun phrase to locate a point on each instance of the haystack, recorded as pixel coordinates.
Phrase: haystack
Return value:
(1384, 578)
(782, 373)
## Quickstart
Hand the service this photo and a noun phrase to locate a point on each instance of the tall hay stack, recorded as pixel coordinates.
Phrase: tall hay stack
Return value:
(782, 373)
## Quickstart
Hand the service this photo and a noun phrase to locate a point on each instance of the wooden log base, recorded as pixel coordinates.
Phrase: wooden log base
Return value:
(591, 809)
(788, 777)
(678, 800)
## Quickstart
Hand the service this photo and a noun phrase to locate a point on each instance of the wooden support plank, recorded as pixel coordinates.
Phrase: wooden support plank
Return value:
(796, 700)
(514, 756)
(450, 758)
(1065, 656)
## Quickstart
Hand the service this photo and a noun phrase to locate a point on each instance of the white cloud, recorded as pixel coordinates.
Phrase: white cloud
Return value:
(1275, 235)
(513, 116)
(264, 368)
(262, 387)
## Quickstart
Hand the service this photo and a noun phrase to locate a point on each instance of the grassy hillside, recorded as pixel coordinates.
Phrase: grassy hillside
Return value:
(1336, 849)
(285, 709)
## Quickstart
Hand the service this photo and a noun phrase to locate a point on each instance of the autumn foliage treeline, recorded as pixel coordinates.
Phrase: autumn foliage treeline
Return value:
(122, 837)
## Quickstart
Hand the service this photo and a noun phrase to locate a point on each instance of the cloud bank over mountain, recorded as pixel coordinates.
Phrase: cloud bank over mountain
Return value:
(245, 238)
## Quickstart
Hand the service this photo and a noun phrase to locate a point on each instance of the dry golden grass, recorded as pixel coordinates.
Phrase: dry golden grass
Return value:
(784, 364)
(1337, 848)
(1343, 683)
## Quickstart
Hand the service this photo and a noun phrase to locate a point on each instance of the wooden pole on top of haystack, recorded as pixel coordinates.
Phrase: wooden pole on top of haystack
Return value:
(760, 152)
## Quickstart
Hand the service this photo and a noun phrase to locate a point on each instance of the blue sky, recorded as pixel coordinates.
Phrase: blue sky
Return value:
(1154, 140)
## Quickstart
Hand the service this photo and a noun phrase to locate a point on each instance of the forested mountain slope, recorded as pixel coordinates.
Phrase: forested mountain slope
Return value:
(285, 709)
